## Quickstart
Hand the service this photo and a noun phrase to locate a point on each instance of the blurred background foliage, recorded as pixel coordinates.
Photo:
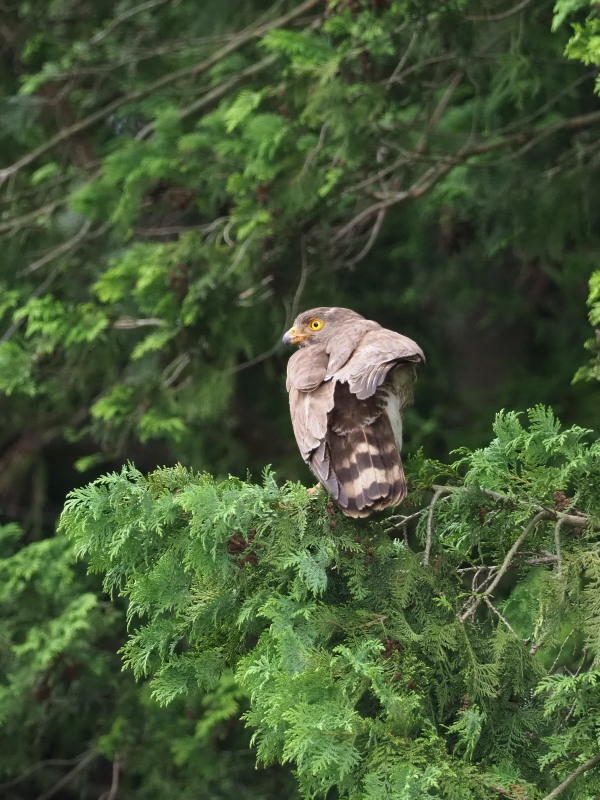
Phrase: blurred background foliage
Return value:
(177, 181)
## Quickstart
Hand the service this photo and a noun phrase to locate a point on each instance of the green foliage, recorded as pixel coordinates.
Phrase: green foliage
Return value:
(216, 181)
(62, 685)
(584, 45)
(372, 672)
(537, 460)
(177, 181)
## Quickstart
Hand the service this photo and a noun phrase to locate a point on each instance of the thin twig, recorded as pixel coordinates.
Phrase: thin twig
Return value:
(48, 762)
(116, 774)
(357, 187)
(552, 101)
(91, 756)
(591, 762)
(501, 16)
(290, 316)
(14, 326)
(419, 65)
(62, 248)
(313, 153)
(178, 47)
(301, 283)
(474, 603)
(578, 520)
(130, 323)
(462, 570)
(402, 520)
(169, 230)
(173, 370)
(437, 495)
(423, 183)
(559, 523)
(370, 241)
(493, 608)
(213, 94)
(401, 64)
(492, 571)
(446, 164)
(125, 15)
(18, 222)
(439, 110)
(150, 88)
(561, 648)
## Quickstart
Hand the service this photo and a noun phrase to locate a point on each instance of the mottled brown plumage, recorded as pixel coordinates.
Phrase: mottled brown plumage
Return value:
(348, 384)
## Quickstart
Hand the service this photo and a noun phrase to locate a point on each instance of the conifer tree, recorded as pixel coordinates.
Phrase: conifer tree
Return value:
(176, 181)
(451, 652)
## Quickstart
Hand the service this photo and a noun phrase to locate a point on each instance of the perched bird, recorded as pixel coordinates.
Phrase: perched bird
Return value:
(348, 385)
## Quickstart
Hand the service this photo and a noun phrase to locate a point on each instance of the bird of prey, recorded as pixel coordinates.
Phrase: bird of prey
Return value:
(348, 384)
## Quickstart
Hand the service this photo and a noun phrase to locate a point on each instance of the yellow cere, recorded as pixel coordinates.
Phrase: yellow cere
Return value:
(315, 324)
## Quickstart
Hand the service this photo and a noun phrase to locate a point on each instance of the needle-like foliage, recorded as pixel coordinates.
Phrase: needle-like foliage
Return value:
(457, 659)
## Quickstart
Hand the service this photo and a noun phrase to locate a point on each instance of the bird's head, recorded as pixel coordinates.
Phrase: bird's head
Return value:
(318, 324)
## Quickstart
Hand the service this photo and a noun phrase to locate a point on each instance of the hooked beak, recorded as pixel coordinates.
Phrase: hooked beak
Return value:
(293, 336)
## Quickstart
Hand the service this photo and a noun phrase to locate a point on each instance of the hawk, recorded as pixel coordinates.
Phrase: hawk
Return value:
(348, 385)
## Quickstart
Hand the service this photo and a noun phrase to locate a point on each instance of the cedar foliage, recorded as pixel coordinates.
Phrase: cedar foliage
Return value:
(176, 180)
(235, 163)
(69, 715)
(376, 660)
(584, 45)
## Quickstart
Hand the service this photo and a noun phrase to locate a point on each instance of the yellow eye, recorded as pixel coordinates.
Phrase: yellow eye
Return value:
(316, 324)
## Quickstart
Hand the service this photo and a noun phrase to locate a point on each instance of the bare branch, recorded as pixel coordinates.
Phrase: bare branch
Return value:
(62, 248)
(497, 17)
(370, 241)
(81, 765)
(415, 67)
(439, 492)
(402, 63)
(591, 762)
(474, 603)
(557, 527)
(129, 323)
(313, 153)
(173, 370)
(170, 230)
(418, 188)
(493, 608)
(301, 283)
(405, 158)
(48, 762)
(131, 12)
(257, 359)
(577, 519)
(180, 47)
(441, 107)
(565, 640)
(166, 80)
(20, 222)
(402, 520)
(214, 94)
(445, 164)
(116, 774)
